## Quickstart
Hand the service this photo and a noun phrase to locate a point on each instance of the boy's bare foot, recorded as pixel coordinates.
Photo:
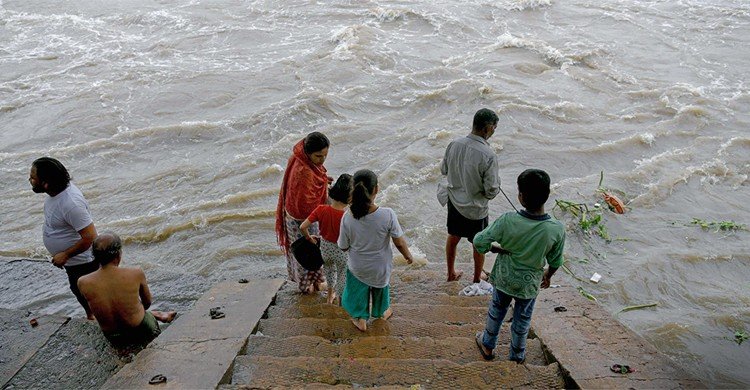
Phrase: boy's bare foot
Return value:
(456, 276)
(90, 317)
(360, 323)
(164, 316)
(387, 313)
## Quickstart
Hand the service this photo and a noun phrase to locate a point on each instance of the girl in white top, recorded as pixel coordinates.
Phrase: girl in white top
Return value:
(366, 233)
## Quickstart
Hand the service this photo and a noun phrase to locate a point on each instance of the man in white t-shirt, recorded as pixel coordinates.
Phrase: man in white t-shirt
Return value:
(68, 230)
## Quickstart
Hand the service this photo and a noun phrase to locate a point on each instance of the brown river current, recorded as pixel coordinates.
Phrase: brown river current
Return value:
(176, 118)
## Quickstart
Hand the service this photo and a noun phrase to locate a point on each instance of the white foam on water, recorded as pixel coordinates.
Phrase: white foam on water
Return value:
(549, 53)
(645, 138)
(522, 5)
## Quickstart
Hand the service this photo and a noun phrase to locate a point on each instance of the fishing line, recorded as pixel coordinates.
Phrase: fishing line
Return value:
(506, 197)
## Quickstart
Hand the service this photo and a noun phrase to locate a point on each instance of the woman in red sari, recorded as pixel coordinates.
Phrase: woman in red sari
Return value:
(304, 188)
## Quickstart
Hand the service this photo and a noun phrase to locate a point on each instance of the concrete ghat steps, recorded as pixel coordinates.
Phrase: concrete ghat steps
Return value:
(460, 350)
(421, 312)
(277, 372)
(336, 328)
(289, 296)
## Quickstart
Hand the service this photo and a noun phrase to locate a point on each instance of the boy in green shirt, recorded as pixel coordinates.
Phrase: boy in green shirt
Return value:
(528, 238)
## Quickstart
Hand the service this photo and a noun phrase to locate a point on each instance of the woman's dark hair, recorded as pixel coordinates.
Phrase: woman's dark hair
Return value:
(364, 182)
(52, 172)
(534, 185)
(315, 142)
(342, 190)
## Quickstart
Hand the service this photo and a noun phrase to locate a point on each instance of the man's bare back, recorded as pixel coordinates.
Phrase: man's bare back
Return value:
(118, 297)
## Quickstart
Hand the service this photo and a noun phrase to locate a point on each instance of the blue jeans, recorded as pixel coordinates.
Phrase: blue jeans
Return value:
(518, 330)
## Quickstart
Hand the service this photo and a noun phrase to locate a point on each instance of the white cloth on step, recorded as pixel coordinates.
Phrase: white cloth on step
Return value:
(481, 288)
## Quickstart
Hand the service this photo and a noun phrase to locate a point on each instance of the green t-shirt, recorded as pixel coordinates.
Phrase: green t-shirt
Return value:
(532, 241)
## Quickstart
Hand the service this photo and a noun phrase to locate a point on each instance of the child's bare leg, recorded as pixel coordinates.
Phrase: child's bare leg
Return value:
(164, 316)
(478, 264)
(360, 323)
(331, 295)
(387, 313)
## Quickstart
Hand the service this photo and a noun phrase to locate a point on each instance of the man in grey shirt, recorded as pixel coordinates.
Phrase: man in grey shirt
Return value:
(68, 230)
(472, 171)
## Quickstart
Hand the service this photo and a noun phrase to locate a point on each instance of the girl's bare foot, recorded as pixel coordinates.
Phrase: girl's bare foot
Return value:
(360, 323)
(387, 313)
(331, 296)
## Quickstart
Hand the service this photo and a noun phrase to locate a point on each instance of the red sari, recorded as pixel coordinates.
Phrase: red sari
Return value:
(304, 188)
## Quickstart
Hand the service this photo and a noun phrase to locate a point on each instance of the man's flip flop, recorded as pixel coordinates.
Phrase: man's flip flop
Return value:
(485, 355)
(157, 379)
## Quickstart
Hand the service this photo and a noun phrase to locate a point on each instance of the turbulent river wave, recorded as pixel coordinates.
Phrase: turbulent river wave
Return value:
(176, 121)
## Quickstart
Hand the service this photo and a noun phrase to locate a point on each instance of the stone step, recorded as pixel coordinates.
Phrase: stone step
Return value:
(443, 299)
(421, 312)
(290, 296)
(456, 349)
(267, 372)
(337, 328)
(196, 351)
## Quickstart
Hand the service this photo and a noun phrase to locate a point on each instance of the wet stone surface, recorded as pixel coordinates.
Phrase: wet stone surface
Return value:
(75, 356)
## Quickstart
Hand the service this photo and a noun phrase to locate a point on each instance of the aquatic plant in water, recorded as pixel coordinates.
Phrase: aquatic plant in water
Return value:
(636, 307)
(719, 226)
(586, 294)
(740, 336)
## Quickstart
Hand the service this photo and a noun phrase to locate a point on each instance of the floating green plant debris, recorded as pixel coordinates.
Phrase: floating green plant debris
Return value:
(636, 307)
(721, 225)
(586, 294)
(590, 221)
(569, 272)
(740, 336)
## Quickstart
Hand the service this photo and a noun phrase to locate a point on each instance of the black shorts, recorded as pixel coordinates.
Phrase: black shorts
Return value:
(74, 273)
(460, 226)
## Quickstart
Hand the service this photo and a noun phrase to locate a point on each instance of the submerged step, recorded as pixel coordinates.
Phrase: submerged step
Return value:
(421, 312)
(265, 371)
(337, 328)
(587, 341)
(456, 349)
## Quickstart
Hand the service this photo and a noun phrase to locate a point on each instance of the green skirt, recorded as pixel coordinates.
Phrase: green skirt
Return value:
(357, 295)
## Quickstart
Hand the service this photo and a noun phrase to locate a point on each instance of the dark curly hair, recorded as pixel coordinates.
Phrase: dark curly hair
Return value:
(342, 190)
(52, 172)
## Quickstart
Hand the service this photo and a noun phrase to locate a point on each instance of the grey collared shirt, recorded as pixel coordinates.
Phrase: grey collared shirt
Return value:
(471, 169)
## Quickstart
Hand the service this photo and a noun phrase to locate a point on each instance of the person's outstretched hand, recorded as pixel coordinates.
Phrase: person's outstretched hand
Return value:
(545, 280)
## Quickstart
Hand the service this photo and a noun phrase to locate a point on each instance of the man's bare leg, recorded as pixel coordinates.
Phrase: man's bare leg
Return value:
(450, 256)
(478, 264)
(164, 316)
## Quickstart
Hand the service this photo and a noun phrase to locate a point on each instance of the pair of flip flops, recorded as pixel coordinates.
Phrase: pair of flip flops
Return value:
(215, 313)
(480, 345)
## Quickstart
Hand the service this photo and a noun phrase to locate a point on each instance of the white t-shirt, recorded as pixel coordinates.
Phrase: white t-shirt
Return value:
(65, 214)
(368, 240)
